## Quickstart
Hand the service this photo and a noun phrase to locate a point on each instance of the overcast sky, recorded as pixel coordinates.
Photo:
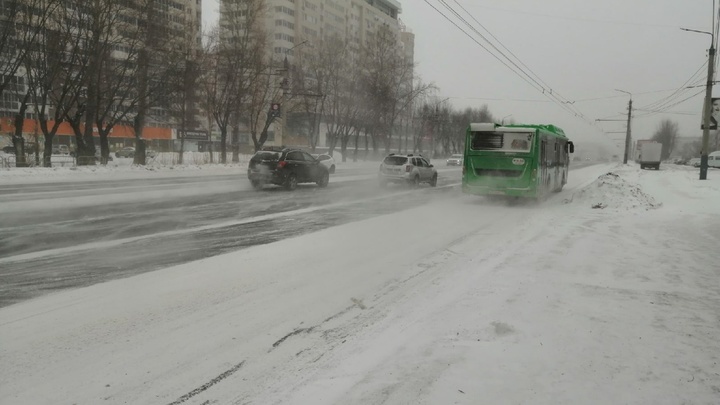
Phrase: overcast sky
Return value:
(580, 51)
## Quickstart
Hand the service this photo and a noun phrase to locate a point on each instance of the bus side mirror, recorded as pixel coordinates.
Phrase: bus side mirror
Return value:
(570, 147)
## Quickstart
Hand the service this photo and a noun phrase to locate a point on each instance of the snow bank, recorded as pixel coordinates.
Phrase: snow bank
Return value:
(612, 191)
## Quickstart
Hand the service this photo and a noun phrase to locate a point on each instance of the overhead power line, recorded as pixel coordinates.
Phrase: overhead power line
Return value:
(515, 65)
(679, 92)
(654, 112)
(578, 19)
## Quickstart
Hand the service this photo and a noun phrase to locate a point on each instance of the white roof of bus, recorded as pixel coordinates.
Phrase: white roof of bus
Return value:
(490, 127)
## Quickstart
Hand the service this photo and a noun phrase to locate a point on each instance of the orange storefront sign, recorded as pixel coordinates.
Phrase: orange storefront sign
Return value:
(119, 131)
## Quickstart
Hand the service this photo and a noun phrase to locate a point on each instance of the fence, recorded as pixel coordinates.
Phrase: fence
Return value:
(10, 161)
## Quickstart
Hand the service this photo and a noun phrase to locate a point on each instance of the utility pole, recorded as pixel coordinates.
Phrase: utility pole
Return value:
(708, 110)
(707, 107)
(628, 131)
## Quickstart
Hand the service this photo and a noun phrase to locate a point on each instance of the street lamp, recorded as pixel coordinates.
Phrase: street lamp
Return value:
(502, 121)
(706, 106)
(627, 131)
(285, 87)
(437, 126)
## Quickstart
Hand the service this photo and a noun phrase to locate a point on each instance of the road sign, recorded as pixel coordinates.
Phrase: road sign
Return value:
(194, 135)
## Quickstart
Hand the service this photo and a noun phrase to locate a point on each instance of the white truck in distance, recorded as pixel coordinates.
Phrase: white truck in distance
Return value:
(650, 154)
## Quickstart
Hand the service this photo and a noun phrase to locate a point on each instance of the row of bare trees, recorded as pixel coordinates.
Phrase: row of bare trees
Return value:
(97, 64)
(370, 95)
(355, 91)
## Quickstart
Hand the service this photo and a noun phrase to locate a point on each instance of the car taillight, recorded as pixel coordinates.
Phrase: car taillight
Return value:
(408, 168)
(282, 164)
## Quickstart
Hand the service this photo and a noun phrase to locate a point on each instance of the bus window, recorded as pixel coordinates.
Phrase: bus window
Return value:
(521, 144)
(501, 141)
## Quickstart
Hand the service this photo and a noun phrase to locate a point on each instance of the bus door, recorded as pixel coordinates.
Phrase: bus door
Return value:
(543, 162)
(558, 167)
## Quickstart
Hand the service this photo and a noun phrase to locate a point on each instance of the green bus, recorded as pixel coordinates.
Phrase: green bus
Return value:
(515, 160)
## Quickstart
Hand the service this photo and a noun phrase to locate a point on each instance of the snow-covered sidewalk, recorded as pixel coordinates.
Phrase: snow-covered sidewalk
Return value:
(462, 300)
(163, 166)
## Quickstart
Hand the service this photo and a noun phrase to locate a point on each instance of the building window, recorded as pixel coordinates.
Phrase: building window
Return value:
(283, 23)
(283, 9)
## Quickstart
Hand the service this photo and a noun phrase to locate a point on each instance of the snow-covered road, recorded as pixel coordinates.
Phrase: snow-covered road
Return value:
(462, 300)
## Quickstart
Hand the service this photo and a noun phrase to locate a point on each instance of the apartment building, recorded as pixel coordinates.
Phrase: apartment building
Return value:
(178, 17)
(292, 23)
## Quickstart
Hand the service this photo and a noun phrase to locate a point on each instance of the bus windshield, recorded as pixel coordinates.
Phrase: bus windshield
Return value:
(502, 141)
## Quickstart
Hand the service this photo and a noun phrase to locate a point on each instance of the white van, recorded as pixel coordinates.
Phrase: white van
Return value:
(714, 159)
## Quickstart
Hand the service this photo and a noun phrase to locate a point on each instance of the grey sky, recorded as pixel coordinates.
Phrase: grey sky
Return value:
(581, 50)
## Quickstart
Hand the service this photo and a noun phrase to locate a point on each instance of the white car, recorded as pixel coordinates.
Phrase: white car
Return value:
(409, 169)
(455, 160)
(327, 161)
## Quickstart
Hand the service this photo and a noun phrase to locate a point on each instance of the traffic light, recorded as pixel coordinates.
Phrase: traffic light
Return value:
(275, 110)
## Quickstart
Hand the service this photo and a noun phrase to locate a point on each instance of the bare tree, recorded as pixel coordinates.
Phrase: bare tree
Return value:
(264, 95)
(153, 79)
(459, 122)
(390, 84)
(692, 149)
(95, 21)
(21, 24)
(335, 75)
(237, 61)
(187, 57)
(666, 134)
(54, 71)
(316, 74)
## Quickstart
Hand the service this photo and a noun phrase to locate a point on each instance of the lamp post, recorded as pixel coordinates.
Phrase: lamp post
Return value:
(437, 126)
(707, 110)
(502, 121)
(628, 130)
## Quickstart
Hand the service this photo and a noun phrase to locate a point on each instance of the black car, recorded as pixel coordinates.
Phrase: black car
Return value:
(286, 167)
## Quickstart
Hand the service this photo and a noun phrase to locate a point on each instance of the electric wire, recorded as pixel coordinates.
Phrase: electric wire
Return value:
(539, 79)
(657, 104)
(536, 83)
(536, 79)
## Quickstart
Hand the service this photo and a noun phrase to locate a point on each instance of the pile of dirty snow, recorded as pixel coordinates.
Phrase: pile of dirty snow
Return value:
(610, 191)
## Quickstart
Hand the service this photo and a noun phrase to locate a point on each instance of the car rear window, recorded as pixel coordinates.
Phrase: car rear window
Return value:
(395, 160)
(265, 155)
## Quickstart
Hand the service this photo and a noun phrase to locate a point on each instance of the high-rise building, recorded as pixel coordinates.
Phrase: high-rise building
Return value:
(292, 23)
(178, 18)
